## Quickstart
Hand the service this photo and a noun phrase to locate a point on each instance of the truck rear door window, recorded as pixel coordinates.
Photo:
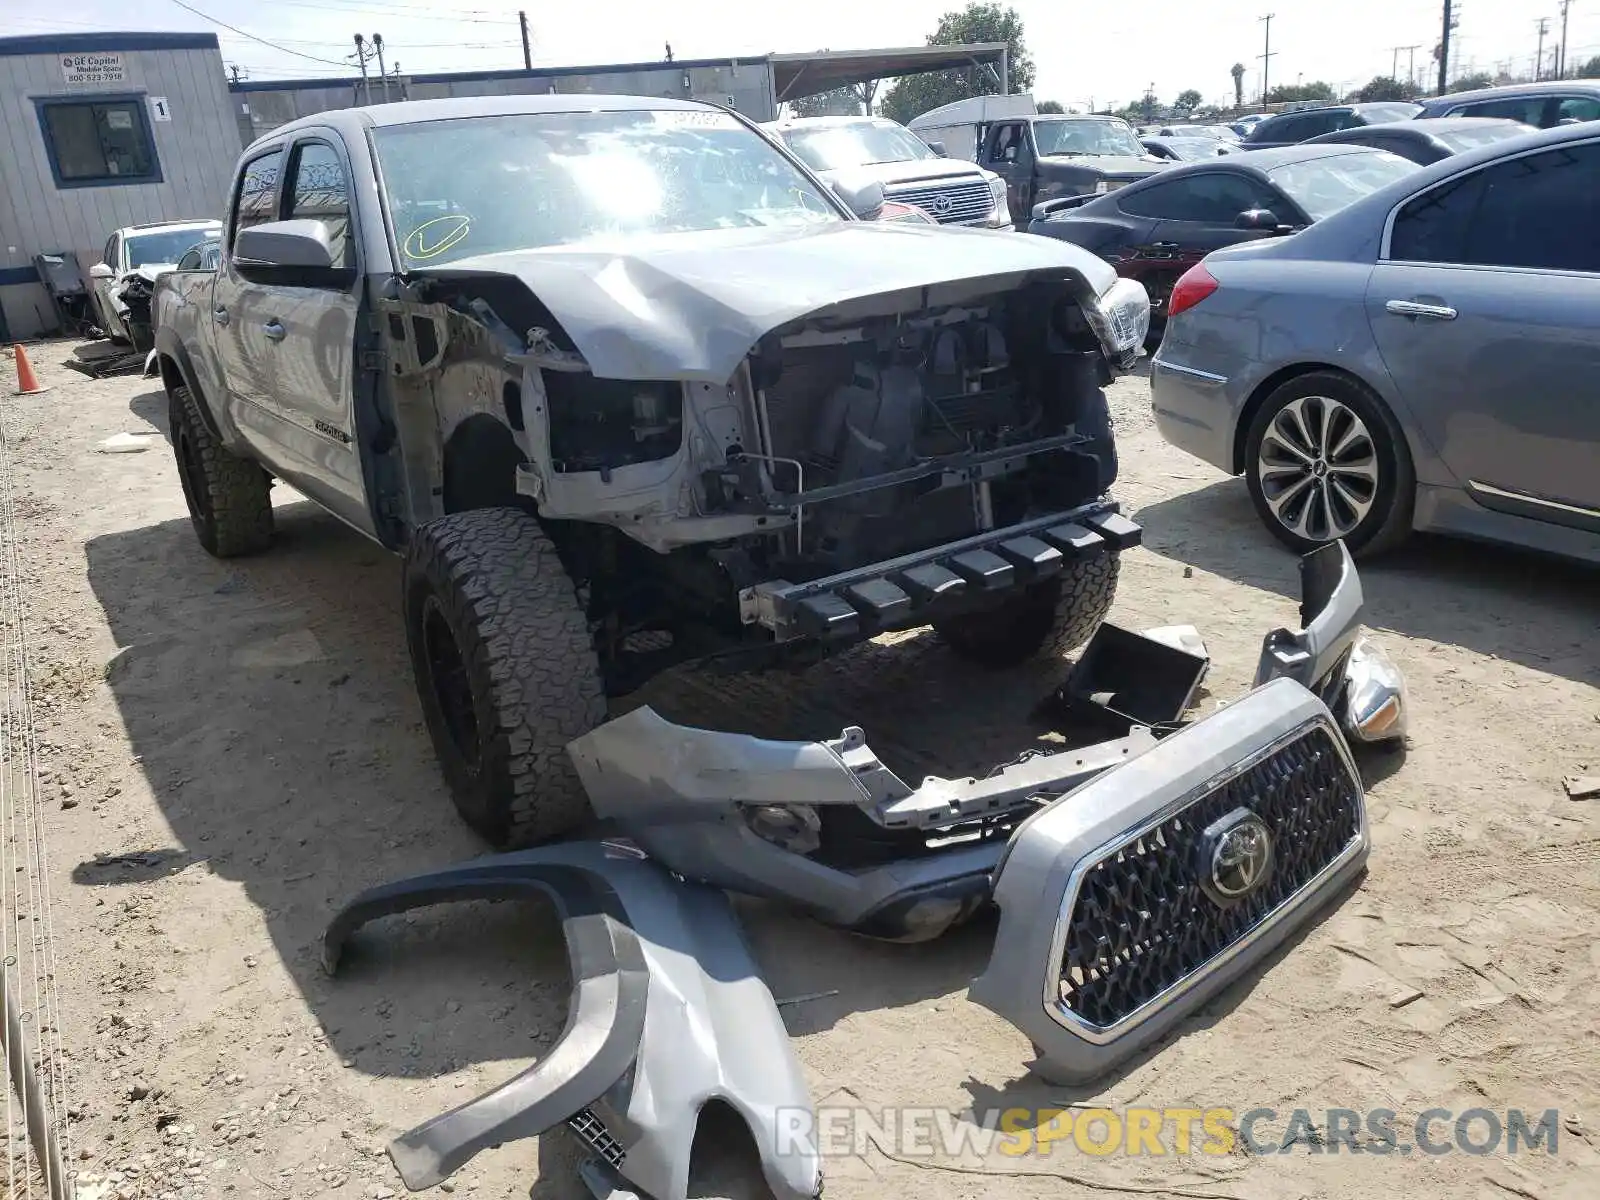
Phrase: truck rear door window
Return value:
(258, 191)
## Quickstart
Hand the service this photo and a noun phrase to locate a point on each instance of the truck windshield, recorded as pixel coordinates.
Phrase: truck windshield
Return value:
(830, 147)
(1096, 139)
(165, 247)
(477, 185)
(1322, 186)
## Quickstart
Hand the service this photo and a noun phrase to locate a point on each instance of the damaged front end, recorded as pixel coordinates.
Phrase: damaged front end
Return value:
(668, 1014)
(1167, 865)
(738, 464)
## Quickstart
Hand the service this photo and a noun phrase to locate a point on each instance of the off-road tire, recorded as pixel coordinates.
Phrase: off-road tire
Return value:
(487, 588)
(229, 498)
(1051, 619)
(1389, 521)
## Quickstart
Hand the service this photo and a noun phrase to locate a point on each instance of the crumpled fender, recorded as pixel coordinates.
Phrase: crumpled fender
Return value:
(668, 1012)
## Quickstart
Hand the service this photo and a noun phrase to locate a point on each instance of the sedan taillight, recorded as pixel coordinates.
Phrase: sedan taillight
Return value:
(1193, 286)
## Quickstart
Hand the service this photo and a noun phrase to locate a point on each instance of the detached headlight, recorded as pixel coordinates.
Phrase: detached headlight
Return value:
(1121, 318)
(1375, 701)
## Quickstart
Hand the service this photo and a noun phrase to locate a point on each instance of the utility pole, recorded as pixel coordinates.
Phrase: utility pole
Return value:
(1543, 25)
(383, 73)
(1411, 67)
(669, 51)
(362, 54)
(1561, 57)
(1444, 51)
(527, 51)
(1266, 55)
(233, 69)
(1394, 63)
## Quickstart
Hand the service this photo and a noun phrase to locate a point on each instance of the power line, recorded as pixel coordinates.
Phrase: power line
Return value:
(282, 49)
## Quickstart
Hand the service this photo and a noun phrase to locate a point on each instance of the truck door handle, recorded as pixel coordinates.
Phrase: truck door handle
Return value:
(1410, 308)
(275, 330)
(220, 315)
(1163, 245)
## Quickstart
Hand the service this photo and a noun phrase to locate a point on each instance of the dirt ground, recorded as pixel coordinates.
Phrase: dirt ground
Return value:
(232, 749)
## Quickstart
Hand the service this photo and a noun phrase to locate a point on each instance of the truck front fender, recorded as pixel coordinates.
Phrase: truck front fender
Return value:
(668, 1014)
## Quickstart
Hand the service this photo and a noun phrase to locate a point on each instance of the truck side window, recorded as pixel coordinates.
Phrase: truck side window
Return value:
(318, 192)
(1007, 139)
(258, 191)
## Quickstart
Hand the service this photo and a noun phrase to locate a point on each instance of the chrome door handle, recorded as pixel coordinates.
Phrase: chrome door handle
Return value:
(1410, 308)
(275, 331)
(220, 315)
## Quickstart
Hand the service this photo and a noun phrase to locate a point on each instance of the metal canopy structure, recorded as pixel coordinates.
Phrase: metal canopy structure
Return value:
(798, 75)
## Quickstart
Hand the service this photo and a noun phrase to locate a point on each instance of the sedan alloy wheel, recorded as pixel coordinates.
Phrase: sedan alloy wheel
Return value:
(1318, 468)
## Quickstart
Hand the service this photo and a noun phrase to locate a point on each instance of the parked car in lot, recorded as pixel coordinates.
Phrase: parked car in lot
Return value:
(950, 190)
(135, 257)
(1184, 149)
(1426, 142)
(1155, 230)
(1543, 105)
(1425, 359)
(1290, 128)
(715, 404)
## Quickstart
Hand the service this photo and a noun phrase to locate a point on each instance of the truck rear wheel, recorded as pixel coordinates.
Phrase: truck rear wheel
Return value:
(1050, 619)
(229, 498)
(506, 671)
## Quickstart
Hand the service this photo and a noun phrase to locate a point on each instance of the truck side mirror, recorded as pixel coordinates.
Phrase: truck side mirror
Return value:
(300, 243)
(865, 199)
(938, 148)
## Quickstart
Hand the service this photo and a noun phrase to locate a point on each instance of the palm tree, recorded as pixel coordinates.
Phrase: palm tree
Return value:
(1237, 71)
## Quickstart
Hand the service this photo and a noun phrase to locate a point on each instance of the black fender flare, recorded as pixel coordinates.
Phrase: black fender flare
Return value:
(605, 1020)
(170, 346)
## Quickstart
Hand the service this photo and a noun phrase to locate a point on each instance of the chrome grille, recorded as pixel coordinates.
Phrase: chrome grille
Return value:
(957, 202)
(1141, 922)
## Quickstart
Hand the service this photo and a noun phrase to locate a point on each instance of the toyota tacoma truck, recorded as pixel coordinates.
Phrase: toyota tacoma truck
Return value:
(628, 386)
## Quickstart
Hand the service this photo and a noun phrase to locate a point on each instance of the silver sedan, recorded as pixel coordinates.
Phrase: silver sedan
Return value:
(1426, 359)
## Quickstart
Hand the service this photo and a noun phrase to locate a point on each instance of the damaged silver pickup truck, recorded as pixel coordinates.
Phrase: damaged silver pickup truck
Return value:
(629, 386)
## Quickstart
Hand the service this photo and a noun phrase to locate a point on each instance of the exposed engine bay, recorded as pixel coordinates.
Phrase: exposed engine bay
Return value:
(871, 432)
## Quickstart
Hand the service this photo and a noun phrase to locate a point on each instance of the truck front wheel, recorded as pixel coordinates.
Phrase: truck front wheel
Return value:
(229, 498)
(1051, 618)
(506, 671)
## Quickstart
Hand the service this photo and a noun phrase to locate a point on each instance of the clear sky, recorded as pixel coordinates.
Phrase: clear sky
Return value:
(1104, 52)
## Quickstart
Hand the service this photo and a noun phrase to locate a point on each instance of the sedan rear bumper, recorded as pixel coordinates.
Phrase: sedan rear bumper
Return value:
(1194, 410)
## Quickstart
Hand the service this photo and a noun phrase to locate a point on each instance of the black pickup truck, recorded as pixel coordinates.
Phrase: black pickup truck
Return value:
(1046, 158)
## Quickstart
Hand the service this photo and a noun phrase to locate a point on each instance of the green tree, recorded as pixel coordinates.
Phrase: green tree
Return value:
(1188, 101)
(1050, 106)
(1381, 87)
(1470, 83)
(912, 95)
(1290, 92)
(1237, 71)
(1589, 70)
(840, 101)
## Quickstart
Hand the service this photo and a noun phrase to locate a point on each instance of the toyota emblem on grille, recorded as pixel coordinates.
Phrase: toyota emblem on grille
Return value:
(1237, 856)
(942, 205)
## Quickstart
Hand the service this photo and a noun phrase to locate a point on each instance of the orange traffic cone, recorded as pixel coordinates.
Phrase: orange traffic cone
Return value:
(27, 381)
